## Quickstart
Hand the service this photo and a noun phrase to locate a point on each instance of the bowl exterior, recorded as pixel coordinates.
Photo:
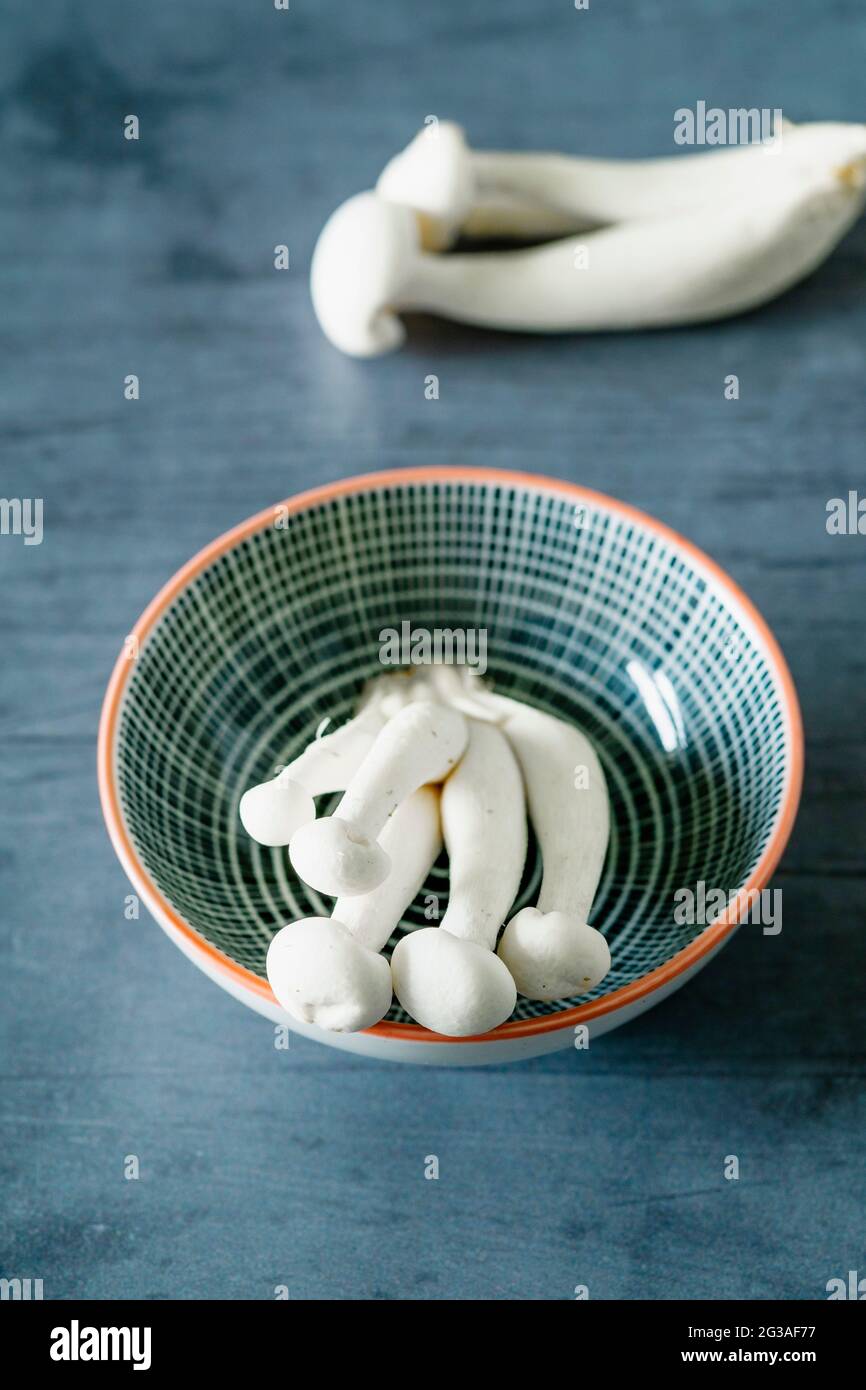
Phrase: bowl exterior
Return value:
(454, 1052)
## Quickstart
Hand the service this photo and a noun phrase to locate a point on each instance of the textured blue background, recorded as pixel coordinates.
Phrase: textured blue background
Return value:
(306, 1168)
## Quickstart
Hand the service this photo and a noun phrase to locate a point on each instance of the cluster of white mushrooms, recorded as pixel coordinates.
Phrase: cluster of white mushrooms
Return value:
(429, 758)
(628, 243)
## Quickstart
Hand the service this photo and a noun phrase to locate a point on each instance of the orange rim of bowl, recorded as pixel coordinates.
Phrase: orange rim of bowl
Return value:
(712, 935)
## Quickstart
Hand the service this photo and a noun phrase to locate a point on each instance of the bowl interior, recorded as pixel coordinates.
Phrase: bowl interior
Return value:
(588, 613)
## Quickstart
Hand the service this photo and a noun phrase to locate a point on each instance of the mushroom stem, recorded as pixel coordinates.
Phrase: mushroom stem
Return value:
(272, 811)
(328, 971)
(447, 977)
(566, 792)
(412, 839)
(457, 190)
(339, 855)
(550, 950)
(706, 263)
(484, 825)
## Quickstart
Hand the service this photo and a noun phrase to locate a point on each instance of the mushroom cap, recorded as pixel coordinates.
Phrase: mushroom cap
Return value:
(329, 856)
(434, 177)
(320, 974)
(273, 811)
(364, 257)
(450, 986)
(552, 955)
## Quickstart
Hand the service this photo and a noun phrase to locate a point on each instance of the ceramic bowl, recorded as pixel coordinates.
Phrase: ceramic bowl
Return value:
(592, 610)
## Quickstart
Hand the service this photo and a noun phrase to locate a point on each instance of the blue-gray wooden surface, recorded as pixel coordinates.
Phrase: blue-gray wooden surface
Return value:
(305, 1169)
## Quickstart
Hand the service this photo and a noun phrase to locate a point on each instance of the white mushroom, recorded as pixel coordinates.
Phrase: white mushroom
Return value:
(708, 263)
(550, 950)
(448, 977)
(272, 811)
(454, 685)
(456, 190)
(339, 854)
(327, 970)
